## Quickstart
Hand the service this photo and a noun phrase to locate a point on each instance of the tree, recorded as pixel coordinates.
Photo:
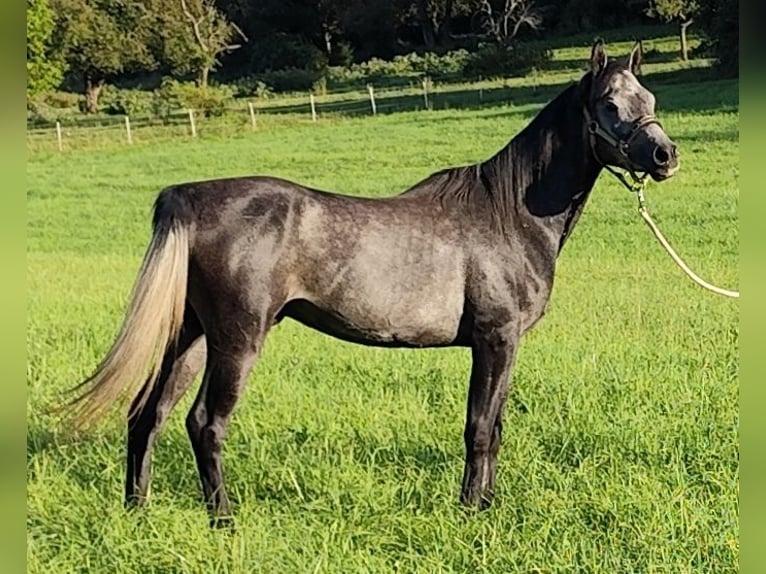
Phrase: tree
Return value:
(719, 23)
(371, 26)
(194, 35)
(680, 10)
(329, 20)
(101, 39)
(505, 23)
(45, 70)
(434, 17)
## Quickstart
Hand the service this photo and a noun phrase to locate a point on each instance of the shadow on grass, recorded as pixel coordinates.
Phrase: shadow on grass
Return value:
(702, 137)
(579, 65)
(88, 461)
(407, 459)
(611, 36)
(710, 94)
(52, 439)
(58, 453)
(409, 464)
(413, 80)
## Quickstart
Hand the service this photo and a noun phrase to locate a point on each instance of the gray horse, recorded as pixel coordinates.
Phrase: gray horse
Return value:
(464, 258)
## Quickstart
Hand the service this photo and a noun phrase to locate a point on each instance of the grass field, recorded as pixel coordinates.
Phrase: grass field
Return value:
(621, 445)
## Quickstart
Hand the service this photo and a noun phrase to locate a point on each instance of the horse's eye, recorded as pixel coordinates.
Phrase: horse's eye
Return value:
(610, 107)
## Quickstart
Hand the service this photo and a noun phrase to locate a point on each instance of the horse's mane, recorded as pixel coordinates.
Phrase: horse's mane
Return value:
(503, 180)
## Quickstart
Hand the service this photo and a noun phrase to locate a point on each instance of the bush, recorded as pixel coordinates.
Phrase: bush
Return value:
(287, 52)
(413, 63)
(126, 102)
(47, 108)
(342, 54)
(251, 86)
(41, 115)
(291, 79)
(59, 100)
(492, 60)
(320, 86)
(406, 66)
(174, 95)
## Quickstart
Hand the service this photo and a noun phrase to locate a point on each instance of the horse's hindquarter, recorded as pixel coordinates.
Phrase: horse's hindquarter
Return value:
(387, 272)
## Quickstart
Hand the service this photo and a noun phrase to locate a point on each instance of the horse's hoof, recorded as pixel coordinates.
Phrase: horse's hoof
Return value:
(477, 501)
(134, 502)
(223, 523)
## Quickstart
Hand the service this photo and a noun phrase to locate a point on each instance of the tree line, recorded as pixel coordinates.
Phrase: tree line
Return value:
(87, 43)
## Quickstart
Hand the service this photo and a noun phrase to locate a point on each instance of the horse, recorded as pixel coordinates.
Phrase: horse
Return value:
(464, 258)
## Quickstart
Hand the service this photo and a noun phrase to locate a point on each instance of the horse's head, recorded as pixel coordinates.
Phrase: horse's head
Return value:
(620, 113)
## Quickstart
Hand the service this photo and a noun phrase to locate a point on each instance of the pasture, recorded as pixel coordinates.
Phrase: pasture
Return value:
(620, 449)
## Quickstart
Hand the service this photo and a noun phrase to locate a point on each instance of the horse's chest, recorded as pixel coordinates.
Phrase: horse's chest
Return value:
(511, 291)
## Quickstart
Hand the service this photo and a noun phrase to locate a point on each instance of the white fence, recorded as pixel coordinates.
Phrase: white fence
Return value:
(104, 131)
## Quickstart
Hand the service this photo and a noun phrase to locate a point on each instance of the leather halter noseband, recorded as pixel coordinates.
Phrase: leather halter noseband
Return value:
(621, 144)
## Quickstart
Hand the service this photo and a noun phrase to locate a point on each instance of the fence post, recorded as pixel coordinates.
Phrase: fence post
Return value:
(313, 108)
(127, 130)
(58, 136)
(191, 121)
(252, 114)
(372, 99)
(425, 91)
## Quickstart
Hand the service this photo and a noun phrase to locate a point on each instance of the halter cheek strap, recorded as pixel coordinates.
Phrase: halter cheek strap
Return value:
(621, 144)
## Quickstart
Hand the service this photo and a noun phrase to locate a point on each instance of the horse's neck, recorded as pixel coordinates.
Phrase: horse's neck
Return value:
(548, 170)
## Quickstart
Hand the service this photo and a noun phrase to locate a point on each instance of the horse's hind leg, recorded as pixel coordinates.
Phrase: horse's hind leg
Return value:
(179, 367)
(228, 365)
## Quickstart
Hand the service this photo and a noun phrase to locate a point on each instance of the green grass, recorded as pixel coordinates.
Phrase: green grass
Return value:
(621, 443)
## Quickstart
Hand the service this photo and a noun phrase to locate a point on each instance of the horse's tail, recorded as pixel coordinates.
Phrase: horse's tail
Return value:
(151, 324)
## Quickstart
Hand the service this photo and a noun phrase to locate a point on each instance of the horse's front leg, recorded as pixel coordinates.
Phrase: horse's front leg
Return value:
(493, 352)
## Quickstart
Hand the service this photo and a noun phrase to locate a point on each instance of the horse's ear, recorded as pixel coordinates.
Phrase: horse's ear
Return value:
(634, 60)
(598, 57)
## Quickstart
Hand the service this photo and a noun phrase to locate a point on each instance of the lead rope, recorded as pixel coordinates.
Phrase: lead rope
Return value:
(637, 186)
(680, 262)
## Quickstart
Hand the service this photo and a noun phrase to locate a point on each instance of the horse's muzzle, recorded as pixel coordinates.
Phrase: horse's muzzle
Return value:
(666, 162)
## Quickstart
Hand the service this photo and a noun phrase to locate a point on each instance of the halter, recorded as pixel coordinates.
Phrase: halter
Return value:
(621, 144)
(637, 186)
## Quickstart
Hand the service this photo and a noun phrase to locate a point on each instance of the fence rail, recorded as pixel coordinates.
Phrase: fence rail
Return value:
(248, 116)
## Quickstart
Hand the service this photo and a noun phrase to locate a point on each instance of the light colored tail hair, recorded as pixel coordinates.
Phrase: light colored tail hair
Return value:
(152, 323)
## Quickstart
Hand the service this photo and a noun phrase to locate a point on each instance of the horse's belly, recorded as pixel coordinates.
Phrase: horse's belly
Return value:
(427, 322)
(382, 278)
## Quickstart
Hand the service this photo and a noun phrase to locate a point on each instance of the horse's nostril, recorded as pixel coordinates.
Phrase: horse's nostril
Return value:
(661, 157)
(674, 151)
